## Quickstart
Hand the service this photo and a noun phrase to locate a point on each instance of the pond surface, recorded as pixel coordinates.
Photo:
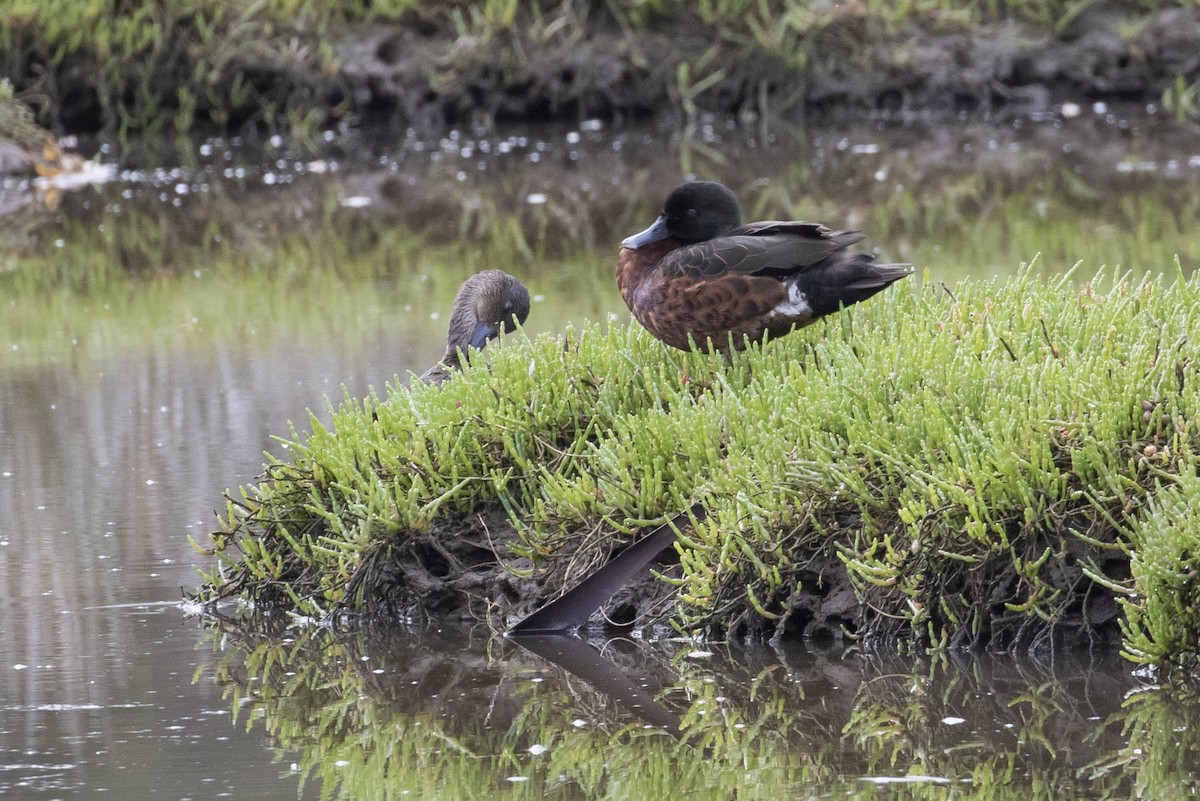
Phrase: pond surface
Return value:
(158, 332)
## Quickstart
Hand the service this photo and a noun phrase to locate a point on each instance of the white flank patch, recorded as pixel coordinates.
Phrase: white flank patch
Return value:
(795, 306)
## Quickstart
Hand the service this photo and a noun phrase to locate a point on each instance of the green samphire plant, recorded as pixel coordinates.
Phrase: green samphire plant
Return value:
(1002, 463)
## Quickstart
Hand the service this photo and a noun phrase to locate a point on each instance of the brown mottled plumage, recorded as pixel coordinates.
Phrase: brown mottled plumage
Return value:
(697, 275)
(486, 304)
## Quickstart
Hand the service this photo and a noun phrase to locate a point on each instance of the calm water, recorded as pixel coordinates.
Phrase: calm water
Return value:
(157, 333)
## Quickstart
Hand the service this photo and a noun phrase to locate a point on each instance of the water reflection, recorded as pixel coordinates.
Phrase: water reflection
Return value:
(920, 191)
(119, 716)
(392, 713)
(580, 659)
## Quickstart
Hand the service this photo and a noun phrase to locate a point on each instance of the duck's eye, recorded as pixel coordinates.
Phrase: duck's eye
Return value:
(691, 213)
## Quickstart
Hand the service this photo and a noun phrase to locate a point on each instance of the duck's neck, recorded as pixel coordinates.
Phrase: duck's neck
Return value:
(451, 360)
(462, 329)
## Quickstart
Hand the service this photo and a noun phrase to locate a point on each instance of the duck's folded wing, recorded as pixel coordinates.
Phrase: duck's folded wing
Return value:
(761, 247)
(794, 227)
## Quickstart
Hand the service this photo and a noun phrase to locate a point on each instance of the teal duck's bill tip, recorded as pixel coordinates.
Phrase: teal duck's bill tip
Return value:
(655, 233)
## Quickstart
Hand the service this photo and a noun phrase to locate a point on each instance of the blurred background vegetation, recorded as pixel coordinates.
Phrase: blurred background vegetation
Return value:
(174, 65)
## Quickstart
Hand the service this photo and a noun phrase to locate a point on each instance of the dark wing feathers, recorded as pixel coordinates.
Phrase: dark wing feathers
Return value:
(771, 246)
(794, 227)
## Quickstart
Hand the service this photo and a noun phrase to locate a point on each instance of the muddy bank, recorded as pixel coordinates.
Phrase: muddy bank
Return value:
(427, 73)
(459, 570)
(421, 79)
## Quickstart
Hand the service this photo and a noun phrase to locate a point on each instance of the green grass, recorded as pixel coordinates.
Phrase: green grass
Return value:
(1163, 601)
(985, 461)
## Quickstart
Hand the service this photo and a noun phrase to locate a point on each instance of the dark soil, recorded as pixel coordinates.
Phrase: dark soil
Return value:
(459, 571)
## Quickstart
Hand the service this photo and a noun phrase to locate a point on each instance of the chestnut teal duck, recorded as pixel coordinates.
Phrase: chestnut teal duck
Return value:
(698, 275)
(486, 304)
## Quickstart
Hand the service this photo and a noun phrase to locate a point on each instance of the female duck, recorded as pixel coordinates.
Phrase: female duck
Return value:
(486, 304)
(698, 277)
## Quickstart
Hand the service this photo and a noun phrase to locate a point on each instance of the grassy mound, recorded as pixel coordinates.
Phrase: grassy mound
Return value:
(1000, 463)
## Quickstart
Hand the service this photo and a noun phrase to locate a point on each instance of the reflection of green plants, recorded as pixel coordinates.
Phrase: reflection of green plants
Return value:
(382, 716)
(1182, 99)
(395, 714)
(1163, 749)
(1004, 729)
(96, 298)
(1065, 220)
(152, 276)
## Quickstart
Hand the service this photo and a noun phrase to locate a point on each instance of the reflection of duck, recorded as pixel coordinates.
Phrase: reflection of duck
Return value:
(486, 304)
(697, 274)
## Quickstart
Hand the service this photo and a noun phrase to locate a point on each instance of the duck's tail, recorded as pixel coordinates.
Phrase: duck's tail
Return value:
(847, 278)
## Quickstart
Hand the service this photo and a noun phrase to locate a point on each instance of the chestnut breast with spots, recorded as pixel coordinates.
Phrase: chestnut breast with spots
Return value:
(709, 309)
(713, 310)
